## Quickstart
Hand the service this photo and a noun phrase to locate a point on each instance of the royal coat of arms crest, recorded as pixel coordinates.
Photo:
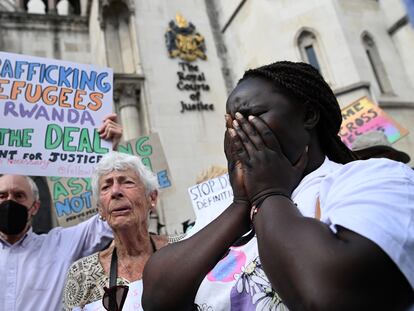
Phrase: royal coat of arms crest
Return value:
(183, 41)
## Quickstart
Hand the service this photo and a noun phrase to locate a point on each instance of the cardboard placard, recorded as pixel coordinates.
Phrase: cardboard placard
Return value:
(72, 197)
(49, 113)
(364, 116)
(209, 200)
(149, 149)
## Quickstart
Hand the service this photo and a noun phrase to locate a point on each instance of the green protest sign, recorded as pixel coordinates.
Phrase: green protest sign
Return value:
(72, 197)
(149, 149)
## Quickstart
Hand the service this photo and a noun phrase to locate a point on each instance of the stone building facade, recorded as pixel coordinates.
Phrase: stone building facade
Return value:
(153, 91)
(363, 48)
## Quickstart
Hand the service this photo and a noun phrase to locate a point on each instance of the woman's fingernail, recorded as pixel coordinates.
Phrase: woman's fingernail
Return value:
(239, 115)
(235, 124)
(228, 119)
(232, 132)
(251, 118)
(307, 148)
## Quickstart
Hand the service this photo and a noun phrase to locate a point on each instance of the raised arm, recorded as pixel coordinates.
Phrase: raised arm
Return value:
(173, 274)
(83, 239)
(309, 265)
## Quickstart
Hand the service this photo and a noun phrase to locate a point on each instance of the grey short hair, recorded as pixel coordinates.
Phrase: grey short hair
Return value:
(32, 184)
(117, 161)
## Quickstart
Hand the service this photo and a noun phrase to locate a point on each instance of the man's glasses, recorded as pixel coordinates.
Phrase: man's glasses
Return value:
(114, 297)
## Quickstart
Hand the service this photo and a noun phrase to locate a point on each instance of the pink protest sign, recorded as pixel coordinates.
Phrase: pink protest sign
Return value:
(364, 116)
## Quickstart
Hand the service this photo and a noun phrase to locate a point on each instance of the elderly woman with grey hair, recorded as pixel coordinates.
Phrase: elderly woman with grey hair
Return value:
(126, 192)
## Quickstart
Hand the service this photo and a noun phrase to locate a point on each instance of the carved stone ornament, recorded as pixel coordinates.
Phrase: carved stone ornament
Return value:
(107, 8)
(128, 3)
(183, 41)
(127, 87)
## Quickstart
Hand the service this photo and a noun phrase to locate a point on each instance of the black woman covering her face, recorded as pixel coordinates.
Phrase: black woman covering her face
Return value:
(331, 232)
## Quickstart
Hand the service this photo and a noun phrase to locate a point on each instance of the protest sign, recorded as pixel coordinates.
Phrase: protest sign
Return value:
(72, 199)
(364, 116)
(49, 113)
(209, 200)
(132, 302)
(149, 149)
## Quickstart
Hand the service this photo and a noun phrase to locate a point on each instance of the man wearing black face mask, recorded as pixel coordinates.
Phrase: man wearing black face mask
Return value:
(14, 217)
(33, 267)
(19, 202)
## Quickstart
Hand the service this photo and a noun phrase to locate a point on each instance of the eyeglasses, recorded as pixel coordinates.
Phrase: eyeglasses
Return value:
(114, 297)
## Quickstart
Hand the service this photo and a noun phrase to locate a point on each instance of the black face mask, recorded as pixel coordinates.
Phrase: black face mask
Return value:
(13, 217)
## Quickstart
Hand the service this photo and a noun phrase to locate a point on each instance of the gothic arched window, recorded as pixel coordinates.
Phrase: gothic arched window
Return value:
(376, 63)
(311, 52)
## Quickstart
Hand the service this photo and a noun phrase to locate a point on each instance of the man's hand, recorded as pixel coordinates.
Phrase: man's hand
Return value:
(111, 130)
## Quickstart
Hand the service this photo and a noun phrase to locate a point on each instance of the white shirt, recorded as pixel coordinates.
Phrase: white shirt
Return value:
(33, 270)
(377, 202)
(374, 198)
(132, 301)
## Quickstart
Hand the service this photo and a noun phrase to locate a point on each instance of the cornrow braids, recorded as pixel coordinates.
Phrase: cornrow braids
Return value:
(304, 83)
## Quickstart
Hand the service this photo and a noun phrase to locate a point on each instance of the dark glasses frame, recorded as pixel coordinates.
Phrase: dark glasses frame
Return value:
(114, 297)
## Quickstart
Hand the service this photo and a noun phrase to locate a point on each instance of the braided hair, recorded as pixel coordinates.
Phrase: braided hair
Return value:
(304, 83)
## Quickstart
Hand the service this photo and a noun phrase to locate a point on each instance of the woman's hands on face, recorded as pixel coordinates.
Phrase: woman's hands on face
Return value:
(234, 165)
(111, 130)
(265, 168)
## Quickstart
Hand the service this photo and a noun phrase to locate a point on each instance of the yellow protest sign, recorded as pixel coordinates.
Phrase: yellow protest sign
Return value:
(364, 116)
